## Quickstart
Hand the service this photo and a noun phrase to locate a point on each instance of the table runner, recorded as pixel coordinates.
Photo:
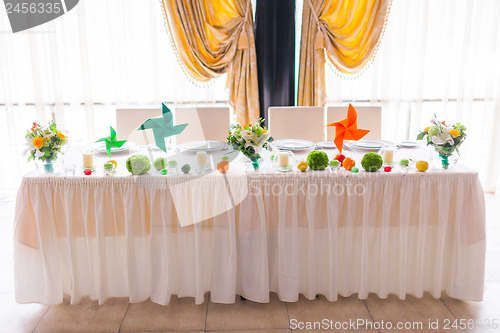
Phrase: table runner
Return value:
(403, 233)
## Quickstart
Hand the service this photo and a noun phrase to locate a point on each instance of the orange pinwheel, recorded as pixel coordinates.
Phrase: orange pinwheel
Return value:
(347, 129)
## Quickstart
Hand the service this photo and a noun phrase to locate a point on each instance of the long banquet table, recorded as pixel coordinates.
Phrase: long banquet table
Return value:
(290, 233)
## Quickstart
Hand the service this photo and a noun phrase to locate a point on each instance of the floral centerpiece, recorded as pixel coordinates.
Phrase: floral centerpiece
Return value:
(249, 139)
(45, 143)
(445, 139)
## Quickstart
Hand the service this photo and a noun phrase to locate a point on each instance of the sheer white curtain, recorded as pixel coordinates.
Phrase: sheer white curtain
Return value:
(80, 67)
(442, 57)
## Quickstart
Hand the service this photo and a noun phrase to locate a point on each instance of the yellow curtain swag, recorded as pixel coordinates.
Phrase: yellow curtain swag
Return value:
(212, 37)
(347, 32)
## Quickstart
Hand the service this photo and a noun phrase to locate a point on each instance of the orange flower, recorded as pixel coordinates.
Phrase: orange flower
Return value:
(38, 142)
(427, 129)
(264, 131)
(61, 136)
(35, 125)
(455, 133)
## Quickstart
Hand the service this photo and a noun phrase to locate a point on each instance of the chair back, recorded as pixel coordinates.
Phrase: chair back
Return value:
(369, 117)
(297, 122)
(205, 123)
(129, 120)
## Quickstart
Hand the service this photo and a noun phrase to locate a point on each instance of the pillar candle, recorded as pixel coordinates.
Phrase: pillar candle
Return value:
(88, 160)
(201, 157)
(388, 156)
(283, 159)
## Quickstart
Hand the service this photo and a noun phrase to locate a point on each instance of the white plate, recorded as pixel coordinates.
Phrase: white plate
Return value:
(369, 144)
(202, 145)
(101, 147)
(293, 144)
(327, 144)
(408, 144)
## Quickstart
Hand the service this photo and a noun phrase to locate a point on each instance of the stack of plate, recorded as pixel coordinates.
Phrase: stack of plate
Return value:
(293, 144)
(368, 144)
(209, 145)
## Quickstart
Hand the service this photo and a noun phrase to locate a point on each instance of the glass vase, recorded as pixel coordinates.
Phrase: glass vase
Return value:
(255, 164)
(444, 161)
(48, 166)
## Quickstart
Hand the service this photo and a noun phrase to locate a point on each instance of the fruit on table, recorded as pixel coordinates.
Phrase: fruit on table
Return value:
(160, 163)
(422, 166)
(340, 158)
(388, 169)
(115, 163)
(108, 166)
(223, 166)
(302, 166)
(186, 168)
(138, 164)
(404, 162)
(371, 162)
(87, 172)
(317, 160)
(164, 171)
(355, 170)
(335, 163)
(348, 163)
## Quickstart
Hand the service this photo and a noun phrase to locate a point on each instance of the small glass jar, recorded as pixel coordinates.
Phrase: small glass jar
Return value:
(201, 162)
(108, 168)
(285, 160)
(404, 164)
(388, 154)
(334, 166)
(172, 167)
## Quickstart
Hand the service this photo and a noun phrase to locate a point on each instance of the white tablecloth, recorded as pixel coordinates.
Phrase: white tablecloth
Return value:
(310, 233)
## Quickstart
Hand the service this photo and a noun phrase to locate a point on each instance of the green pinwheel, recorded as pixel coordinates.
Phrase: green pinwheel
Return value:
(111, 141)
(162, 127)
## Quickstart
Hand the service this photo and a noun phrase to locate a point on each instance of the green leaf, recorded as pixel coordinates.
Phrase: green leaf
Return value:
(420, 136)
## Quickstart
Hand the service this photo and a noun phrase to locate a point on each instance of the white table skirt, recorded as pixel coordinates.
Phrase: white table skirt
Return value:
(119, 237)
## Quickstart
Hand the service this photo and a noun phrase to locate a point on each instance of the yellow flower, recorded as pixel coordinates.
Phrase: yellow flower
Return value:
(61, 136)
(427, 129)
(455, 133)
(38, 142)
(264, 130)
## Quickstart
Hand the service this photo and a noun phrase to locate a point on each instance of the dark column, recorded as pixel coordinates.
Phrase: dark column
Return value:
(275, 47)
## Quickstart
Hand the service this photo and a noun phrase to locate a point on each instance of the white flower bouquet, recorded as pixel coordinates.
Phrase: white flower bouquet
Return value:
(249, 139)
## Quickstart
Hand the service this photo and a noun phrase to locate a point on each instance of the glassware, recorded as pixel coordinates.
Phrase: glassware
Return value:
(285, 160)
(404, 164)
(334, 166)
(172, 167)
(88, 160)
(108, 168)
(388, 154)
(442, 161)
(69, 169)
(201, 160)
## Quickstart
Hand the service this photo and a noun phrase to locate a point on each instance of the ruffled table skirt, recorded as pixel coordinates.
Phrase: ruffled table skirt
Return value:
(331, 235)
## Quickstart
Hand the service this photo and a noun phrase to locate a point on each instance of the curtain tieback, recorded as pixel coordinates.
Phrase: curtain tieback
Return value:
(243, 42)
(319, 41)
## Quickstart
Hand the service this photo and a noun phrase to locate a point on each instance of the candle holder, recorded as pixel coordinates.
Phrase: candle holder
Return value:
(201, 160)
(285, 160)
(88, 160)
(388, 154)
(172, 167)
(334, 166)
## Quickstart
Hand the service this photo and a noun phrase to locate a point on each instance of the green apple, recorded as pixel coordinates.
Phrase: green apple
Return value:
(160, 163)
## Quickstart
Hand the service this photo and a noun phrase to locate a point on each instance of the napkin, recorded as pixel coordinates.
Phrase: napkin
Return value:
(347, 129)
(162, 127)
(111, 141)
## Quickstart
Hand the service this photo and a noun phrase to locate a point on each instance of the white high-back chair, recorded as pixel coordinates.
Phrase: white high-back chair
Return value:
(297, 122)
(129, 120)
(205, 123)
(369, 117)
